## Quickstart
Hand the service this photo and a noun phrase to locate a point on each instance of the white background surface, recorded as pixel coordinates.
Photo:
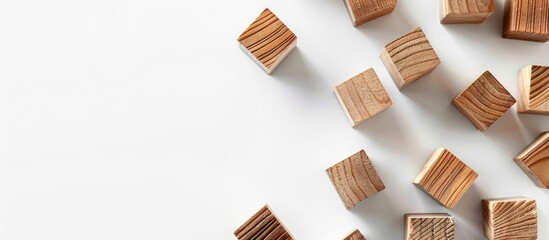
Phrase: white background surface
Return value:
(132, 119)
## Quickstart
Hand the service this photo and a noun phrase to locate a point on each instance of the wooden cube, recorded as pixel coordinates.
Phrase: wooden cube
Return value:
(362, 96)
(534, 160)
(355, 235)
(484, 101)
(363, 11)
(267, 41)
(429, 226)
(533, 90)
(263, 225)
(409, 58)
(445, 178)
(510, 218)
(526, 20)
(355, 179)
(470, 11)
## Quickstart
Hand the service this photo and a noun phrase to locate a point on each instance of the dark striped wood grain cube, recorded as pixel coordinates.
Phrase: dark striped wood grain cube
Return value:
(533, 90)
(510, 218)
(534, 160)
(263, 225)
(429, 226)
(526, 20)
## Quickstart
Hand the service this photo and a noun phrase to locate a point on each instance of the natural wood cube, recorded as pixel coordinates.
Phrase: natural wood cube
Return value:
(534, 160)
(468, 11)
(263, 225)
(526, 20)
(363, 11)
(445, 178)
(362, 96)
(355, 235)
(409, 58)
(484, 101)
(533, 90)
(267, 41)
(355, 179)
(510, 218)
(429, 226)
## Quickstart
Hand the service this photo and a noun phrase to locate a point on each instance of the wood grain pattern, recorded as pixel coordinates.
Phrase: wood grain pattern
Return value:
(465, 11)
(534, 160)
(484, 101)
(355, 179)
(362, 11)
(267, 41)
(362, 97)
(433, 226)
(526, 20)
(445, 178)
(263, 225)
(355, 235)
(510, 218)
(409, 58)
(533, 93)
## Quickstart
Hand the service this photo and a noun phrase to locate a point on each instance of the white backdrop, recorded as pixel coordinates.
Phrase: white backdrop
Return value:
(134, 119)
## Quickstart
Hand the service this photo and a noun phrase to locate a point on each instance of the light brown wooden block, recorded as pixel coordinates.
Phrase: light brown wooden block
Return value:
(533, 90)
(465, 11)
(362, 97)
(263, 225)
(355, 235)
(429, 226)
(355, 179)
(445, 178)
(409, 58)
(510, 219)
(362, 11)
(267, 41)
(484, 101)
(534, 160)
(526, 20)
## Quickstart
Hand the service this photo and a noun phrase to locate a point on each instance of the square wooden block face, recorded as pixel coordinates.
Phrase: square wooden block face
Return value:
(468, 11)
(267, 41)
(362, 96)
(484, 101)
(510, 219)
(263, 225)
(355, 235)
(355, 179)
(445, 178)
(534, 160)
(533, 90)
(526, 20)
(430, 226)
(363, 11)
(409, 58)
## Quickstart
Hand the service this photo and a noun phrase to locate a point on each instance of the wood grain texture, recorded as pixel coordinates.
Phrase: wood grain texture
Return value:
(263, 225)
(355, 235)
(409, 58)
(526, 20)
(533, 90)
(267, 41)
(465, 11)
(432, 226)
(534, 160)
(510, 219)
(355, 179)
(484, 101)
(362, 97)
(362, 11)
(445, 178)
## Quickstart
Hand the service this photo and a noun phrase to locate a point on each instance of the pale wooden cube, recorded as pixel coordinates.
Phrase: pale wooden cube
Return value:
(534, 160)
(355, 179)
(267, 41)
(429, 226)
(409, 58)
(445, 178)
(510, 219)
(362, 97)
(533, 90)
(526, 20)
(263, 225)
(362, 11)
(355, 235)
(484, 101)
(465, 12)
